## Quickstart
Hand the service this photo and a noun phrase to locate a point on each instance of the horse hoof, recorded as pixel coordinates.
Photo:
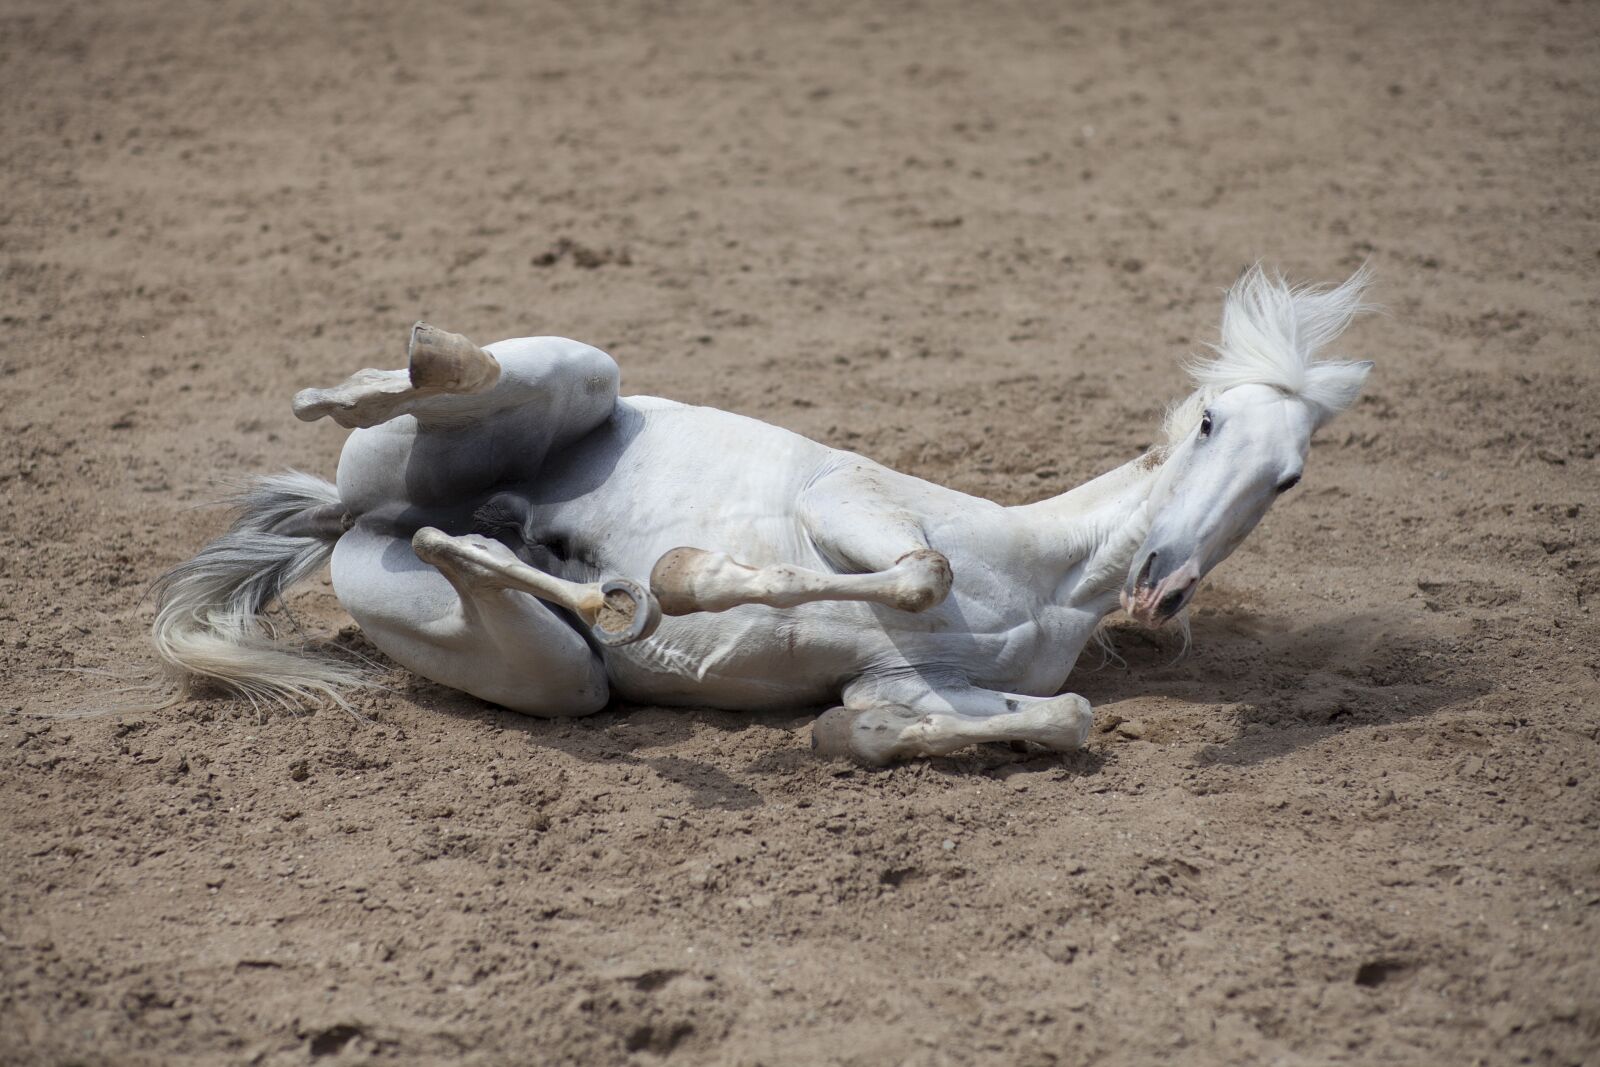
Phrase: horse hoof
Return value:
(629, 613)
(830, 733)
(869, 736)
(444, 362)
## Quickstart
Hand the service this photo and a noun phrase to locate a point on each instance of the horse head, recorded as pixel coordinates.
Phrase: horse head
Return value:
(1241, 439)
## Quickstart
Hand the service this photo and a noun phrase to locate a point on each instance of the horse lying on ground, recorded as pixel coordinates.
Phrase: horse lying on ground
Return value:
(504, 523)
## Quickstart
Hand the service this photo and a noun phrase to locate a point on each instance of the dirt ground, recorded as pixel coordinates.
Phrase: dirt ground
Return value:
(1359, 822)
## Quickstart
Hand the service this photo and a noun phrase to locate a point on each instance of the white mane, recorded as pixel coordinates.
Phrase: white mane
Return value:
(1271, 335)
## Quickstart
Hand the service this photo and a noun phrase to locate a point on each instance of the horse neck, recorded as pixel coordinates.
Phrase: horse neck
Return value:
(1086, 538)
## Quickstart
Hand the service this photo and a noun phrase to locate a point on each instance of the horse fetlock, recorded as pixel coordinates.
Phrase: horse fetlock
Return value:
(1061, 724)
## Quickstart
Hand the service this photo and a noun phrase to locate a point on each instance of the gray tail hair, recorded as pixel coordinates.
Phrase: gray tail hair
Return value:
(209, 626)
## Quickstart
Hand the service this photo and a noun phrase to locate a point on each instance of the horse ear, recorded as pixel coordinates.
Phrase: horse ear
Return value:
(1334, 386)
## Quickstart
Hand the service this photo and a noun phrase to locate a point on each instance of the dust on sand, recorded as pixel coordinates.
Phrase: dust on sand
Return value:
(1358, 822)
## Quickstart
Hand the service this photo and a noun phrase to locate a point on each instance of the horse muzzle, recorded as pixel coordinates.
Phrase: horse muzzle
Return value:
(1154, 595)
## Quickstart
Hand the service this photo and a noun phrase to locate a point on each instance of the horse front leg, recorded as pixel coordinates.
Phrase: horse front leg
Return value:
(687, 580)
(880, 545)
(883, 722)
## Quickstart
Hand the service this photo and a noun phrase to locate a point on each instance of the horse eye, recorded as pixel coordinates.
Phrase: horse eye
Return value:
(1205, 425)
(1289, 483)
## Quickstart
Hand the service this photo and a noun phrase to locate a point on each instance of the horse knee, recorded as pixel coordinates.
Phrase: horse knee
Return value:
(924, 580)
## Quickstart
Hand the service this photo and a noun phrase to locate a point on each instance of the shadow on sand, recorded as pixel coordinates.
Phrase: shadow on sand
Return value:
(627, 734)
(1291, 685)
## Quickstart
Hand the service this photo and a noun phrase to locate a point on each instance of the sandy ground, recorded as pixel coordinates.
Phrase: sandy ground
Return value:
(970, 240)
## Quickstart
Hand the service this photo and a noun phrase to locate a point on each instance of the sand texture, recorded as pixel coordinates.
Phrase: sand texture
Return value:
(1359, 822)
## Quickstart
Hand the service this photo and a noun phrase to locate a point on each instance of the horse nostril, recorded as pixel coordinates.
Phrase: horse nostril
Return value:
(1169, 603)
(1144, 572)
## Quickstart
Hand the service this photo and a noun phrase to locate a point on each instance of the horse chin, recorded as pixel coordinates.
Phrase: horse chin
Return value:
(1170, 615)
(1151, 620)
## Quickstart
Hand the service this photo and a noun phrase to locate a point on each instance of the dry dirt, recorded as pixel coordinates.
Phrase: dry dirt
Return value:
(1358, 822)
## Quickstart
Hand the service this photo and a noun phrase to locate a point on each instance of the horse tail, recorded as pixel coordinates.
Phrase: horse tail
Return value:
(209, 627)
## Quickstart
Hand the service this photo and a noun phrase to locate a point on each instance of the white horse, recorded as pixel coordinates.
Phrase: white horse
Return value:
(496, 510)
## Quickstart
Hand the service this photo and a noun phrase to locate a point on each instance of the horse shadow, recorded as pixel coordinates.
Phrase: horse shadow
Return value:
(1290, 685)
(634, 734)
(630, 734)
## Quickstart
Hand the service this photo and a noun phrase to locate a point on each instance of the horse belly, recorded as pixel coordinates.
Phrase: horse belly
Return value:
(662, 475)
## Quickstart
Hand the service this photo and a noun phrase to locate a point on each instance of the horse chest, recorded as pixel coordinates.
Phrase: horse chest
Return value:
(1032, 652)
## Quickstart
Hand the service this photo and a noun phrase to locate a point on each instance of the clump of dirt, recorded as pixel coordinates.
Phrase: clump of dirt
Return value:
(581, 255)
(617, 612)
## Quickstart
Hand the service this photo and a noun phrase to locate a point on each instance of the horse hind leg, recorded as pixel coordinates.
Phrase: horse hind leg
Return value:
(439, 363)
(464, 630)
(442, 448)
(617, 611)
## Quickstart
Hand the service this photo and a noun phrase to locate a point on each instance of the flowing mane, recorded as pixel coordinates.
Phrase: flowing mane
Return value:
(1272, 333)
